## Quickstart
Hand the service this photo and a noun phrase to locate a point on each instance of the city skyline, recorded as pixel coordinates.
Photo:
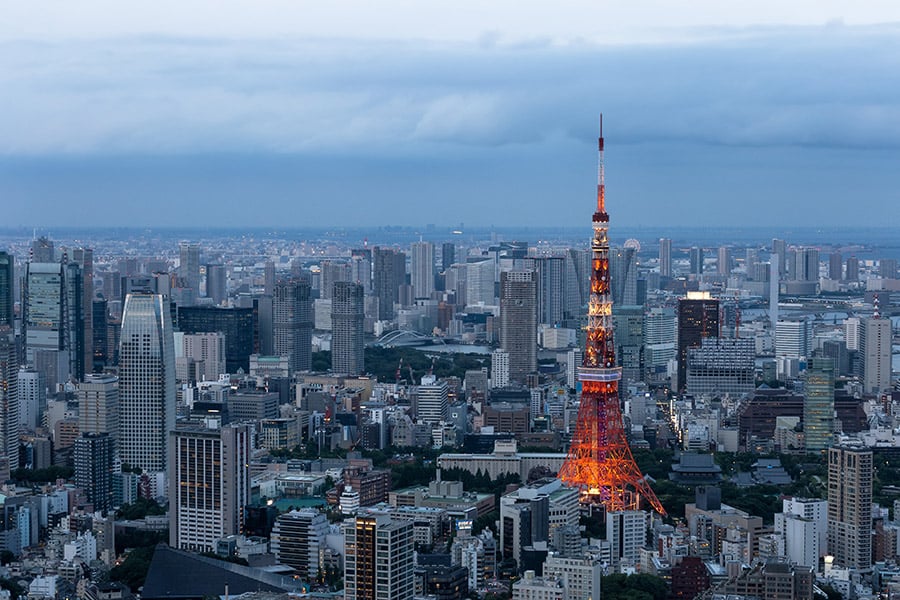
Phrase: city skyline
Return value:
(720, 115)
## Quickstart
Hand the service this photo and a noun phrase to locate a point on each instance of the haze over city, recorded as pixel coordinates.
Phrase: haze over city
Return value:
(400, 114)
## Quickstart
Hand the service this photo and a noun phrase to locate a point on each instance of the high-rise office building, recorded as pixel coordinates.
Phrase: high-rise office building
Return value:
(7, 288)
(388, 273)
(696, 260)
(779, 247)
(818, 406)
(217, 283)
(852, 274)
(805, 264)
(518, 322)
(835, 266)
(432, 400)
(851, 332)
(53, 320)
(875, 353)
(550, 279)
(347, 342)
(361, 268)
(698, 318)
(200, 355)
(887, 268)
(378, 558)
(793, 338)
(94, 460)
(330, 273)
(723, 264)
(850, 473)
(189, 266)
(209, 485)
(480, 282)
(100, 335)
(292, 314)
(146, 381)
(42, 251)
(628, 322)
(721, 366)
(241, 327)
(623, 276)
(98, 405)
(298, 541)
(269, 278)
(84, 258)
(421, 269)
(32, 395)
(448, 255)
(665, 257)
(9, 396)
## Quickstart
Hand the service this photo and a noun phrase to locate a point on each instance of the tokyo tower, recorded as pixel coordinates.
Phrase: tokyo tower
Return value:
(599, 460)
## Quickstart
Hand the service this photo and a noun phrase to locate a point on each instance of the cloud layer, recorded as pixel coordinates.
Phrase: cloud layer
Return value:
(741, 125)
(824, 86)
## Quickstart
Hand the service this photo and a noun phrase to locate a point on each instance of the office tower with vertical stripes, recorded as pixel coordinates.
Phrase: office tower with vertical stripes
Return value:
(146, 382)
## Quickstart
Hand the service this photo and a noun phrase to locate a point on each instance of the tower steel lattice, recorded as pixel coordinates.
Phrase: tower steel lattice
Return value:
(600, 462)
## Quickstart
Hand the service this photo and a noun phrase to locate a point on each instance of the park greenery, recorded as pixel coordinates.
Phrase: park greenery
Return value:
(382, 363)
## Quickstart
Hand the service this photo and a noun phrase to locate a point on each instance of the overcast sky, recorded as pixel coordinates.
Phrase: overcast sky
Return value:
(280, 113)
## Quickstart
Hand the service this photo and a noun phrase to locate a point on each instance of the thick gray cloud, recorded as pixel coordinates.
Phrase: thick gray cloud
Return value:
(692, 127)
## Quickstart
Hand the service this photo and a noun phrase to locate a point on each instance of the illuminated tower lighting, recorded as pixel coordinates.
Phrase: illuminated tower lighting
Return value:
(599, 460)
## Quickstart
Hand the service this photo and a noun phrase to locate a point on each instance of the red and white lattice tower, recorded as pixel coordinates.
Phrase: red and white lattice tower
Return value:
(600, 462)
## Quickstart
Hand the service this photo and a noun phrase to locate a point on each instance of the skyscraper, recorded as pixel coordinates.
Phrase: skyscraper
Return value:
(292, 323)
(389, 273)
(241, 327)
(98, 405)
(216, 283)
(887, 268)
(347, 342)
(42, 251)
(7, 285)
(875, 354)
(518, 322)
(378, 563)
(550, 279)
(9, 396)
(53, 320)
(269, 278)
(723, 266)
(665, 257)
(189, 266)
(818, 406)
(698, 318)
(100, 335)
(793, 338)
(852, 274)
(361, 268)
(32, 395)
(448, 255)
(84, 258)
(146, 381)
(332, 272)
(696, 260)
(850, 472)
(623, 276)
(94, 459)
(209, 485)
(779, 247)
(422, 269)
(835, 266)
